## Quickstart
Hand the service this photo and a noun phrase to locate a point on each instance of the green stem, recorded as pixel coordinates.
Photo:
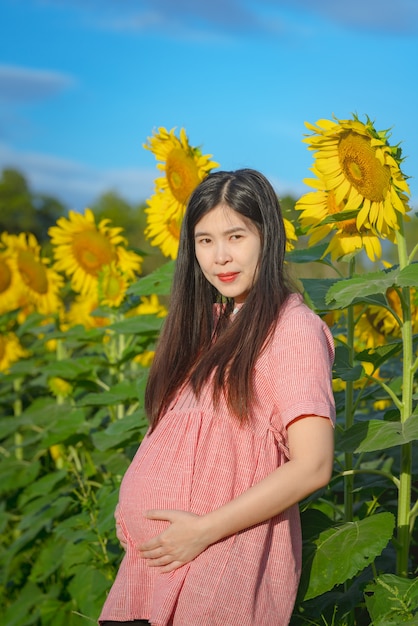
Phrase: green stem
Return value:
(383, 385)
(349, 413)
(61, 355)
(413, 253)
(115, 353)
(405, 483)
(386, 475)
(121, 373)
(17, 410)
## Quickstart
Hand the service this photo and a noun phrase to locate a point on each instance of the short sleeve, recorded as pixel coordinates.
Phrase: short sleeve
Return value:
(298, 365)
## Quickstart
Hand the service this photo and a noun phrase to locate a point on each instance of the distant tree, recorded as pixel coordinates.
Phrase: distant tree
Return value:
(132, 218)
(22, 210)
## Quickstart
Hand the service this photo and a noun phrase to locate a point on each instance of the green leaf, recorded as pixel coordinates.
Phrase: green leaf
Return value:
(24, 611)
(339, 553)
(392, 600)
(54, 612)
(307, 255)
(79, 333)
(42, 486)
(345, 292)
(408, 277)
(71, 368)
(342, 368)
(313, 523)
(130, 427)
(380, 354)
(124, 391)
(43, 513)
(67, 423)
(158, 282)
(48, 560)
(89, 586)
(16, 474)
(138, 325)
(373, 435)
(316, 289)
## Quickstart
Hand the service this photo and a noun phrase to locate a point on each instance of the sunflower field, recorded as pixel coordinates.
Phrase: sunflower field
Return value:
(78, 328)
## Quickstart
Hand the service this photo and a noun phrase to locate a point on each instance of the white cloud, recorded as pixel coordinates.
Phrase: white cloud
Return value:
(76, 184)
(244, 16)
(383, 16)
(22, 84)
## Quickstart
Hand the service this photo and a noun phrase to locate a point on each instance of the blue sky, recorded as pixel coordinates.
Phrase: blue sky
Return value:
(83, 83)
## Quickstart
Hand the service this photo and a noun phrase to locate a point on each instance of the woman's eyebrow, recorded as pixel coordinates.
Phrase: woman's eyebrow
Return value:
(229, 231)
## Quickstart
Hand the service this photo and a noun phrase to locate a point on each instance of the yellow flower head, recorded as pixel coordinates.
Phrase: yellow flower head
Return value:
(112, 285)
(290, 234)
(319, 208)
(361, 191)
(82, 248)
(11, 351)
(80, 312)
(376, 325)
(38, 284)
(10, 283)
(60, 387)
(145, 358)
(149, 306)
(184, 168)
(163, 227)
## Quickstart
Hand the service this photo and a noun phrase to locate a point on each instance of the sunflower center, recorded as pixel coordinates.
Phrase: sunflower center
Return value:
(2, 348)
(182, 174)
(5, 276)
(362, 168)
(32, 272)
(112, 286)
(92, 251)
(375, 322)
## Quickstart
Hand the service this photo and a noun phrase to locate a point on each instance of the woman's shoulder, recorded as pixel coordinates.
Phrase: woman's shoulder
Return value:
(296, 319)
(295, 309)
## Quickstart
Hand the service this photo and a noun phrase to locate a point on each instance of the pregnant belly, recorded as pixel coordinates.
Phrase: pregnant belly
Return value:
(141, 492)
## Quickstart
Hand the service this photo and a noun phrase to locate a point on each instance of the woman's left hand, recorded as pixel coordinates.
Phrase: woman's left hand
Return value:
(178, 544)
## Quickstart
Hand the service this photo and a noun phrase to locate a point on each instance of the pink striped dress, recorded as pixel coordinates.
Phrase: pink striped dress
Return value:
(199, 458)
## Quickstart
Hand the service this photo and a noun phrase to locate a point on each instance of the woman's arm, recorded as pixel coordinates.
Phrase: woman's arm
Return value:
(311, 452)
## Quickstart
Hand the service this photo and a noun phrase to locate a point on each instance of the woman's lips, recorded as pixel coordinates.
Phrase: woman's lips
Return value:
(228, 278)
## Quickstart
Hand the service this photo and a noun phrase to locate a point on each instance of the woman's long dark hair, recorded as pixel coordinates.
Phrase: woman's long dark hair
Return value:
(194, 344)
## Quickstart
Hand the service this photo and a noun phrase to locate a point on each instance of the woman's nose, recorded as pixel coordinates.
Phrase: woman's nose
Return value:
(222, 255)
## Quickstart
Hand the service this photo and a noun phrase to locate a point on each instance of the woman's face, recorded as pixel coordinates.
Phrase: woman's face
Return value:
(228, 250)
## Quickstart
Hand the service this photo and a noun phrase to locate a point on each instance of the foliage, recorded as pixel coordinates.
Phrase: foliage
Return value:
(71, 419)
(62, 461)
(23, 210)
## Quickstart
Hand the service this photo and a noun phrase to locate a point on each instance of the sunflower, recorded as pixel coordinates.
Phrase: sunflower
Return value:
(59, 387)
(112, 285)
(145, 358)
(149, 306)
(82, 248)
(11, 351)
(290, 234)
(184, 168)
(10, 283)
(322, 215)
(377, 325)
(357, 163)
(38, 284)
(163, 226)
(81, 312)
